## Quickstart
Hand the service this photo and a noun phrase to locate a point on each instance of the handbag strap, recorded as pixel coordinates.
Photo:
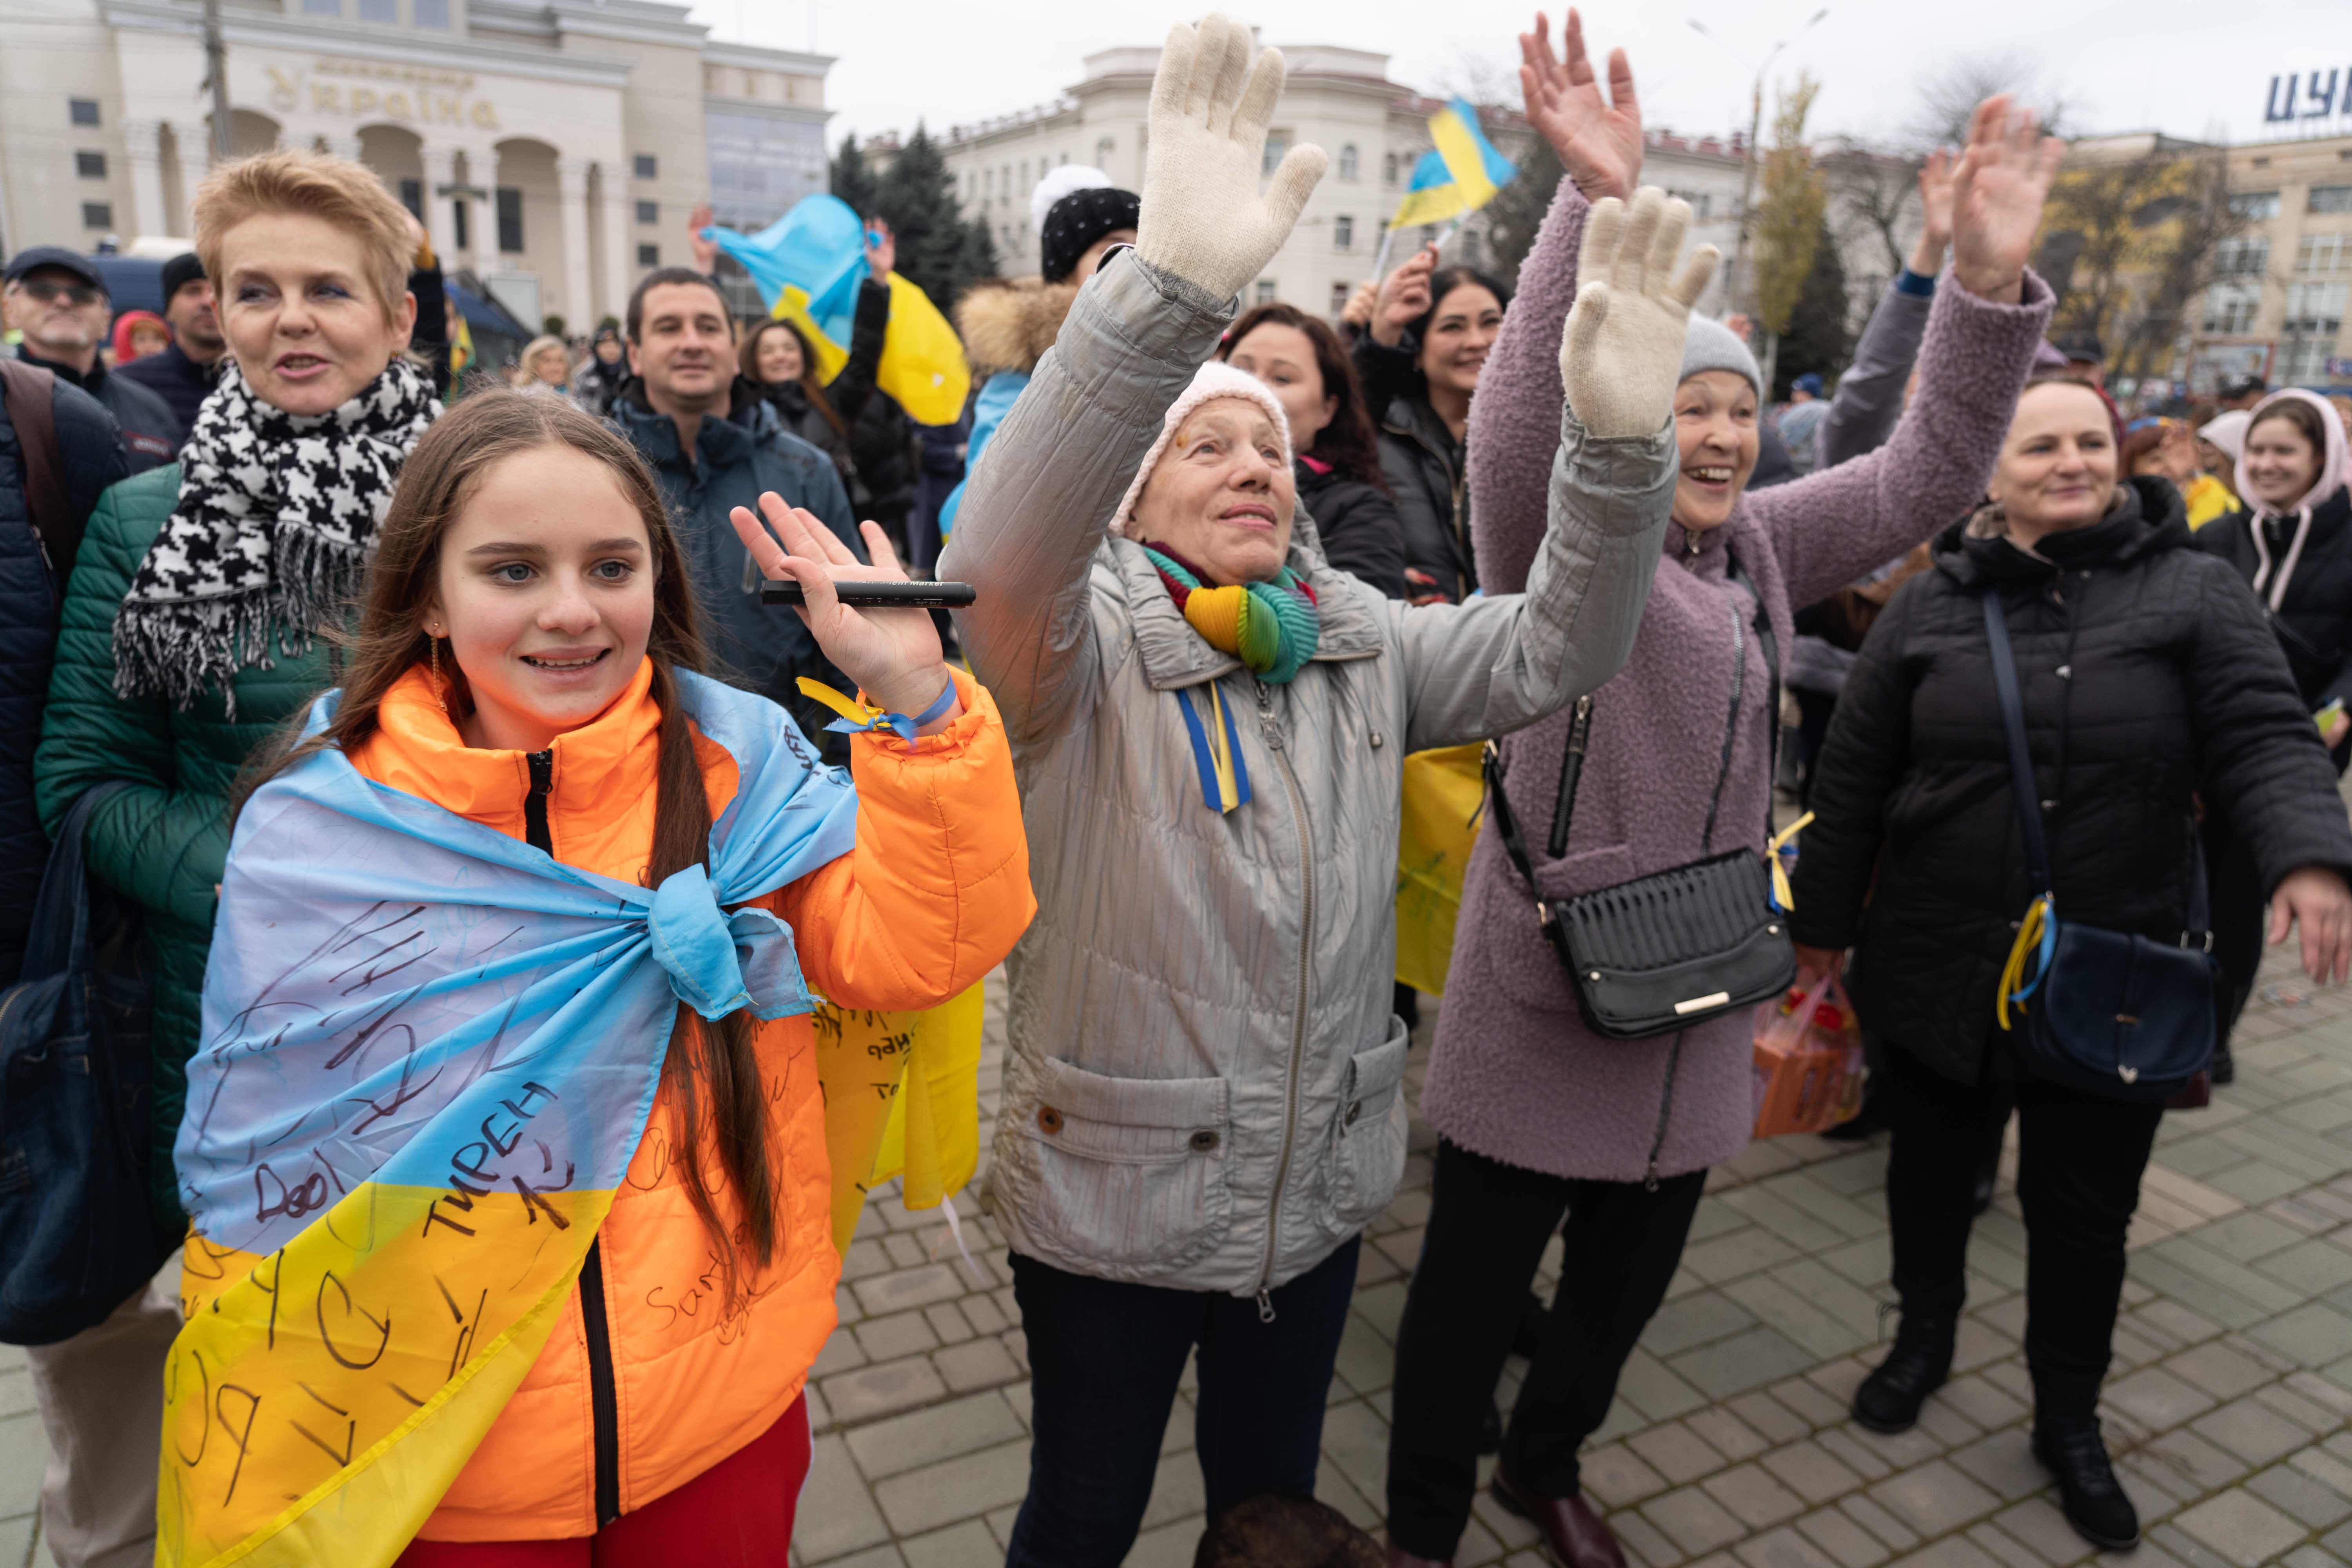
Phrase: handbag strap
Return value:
(1579, 732)
(2198, 922)
(1506, 822)
(2021, 755)
(59, 939)
(31, 393)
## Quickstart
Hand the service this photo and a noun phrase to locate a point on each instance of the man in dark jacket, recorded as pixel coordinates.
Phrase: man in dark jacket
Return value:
(184, 373)
(58, 301)
(88, 457)
(715, 443)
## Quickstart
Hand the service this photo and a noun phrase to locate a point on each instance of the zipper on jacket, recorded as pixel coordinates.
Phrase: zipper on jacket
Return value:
(595, 1322)
(1665, 1109)
(1273, 734)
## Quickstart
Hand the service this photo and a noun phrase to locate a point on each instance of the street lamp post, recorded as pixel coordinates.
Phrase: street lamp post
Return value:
(1737, 274)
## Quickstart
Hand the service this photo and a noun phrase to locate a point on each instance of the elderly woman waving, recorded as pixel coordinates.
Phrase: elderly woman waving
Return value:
(1200, 1101)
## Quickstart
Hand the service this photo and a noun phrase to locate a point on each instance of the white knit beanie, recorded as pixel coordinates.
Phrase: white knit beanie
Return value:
(1213, 380)
(1060, 182)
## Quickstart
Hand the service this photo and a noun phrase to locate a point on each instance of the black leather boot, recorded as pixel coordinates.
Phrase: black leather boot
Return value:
(1888, 1400)
(2070, 1447)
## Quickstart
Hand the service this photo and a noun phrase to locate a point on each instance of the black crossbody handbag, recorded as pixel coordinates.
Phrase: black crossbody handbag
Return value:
(2111, 1013)
(1680, 946)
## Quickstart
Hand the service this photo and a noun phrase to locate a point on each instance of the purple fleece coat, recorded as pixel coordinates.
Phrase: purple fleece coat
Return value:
(1516, 1075)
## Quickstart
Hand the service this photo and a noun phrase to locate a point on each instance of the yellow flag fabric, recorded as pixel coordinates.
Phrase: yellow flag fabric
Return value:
(1444, 791)
(901, 1096)
(922, 359)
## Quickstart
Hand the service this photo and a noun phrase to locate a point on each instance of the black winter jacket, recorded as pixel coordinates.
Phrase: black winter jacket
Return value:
(1424, 467)
(151, 432)
(1358, 524)
(736, 457)
(2314, 619)
(90, 449)
(2150, 679)
(881, 436)
(175, 378)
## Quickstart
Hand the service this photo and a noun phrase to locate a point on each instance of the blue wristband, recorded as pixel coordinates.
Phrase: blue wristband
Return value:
(938, 709)
(1918, 285)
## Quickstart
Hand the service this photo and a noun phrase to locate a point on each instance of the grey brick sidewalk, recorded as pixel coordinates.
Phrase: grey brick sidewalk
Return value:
(2230, 1405)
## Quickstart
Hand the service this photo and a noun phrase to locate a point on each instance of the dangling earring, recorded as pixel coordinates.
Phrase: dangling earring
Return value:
(433, 642)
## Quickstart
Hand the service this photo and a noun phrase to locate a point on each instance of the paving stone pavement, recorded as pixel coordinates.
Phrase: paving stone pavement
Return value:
(2229, 1407)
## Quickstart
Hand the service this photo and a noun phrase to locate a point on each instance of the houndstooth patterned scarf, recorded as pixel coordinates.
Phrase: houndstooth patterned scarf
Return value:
(273, 533)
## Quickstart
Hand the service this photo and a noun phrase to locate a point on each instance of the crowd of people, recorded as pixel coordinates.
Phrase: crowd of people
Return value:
(331, 669)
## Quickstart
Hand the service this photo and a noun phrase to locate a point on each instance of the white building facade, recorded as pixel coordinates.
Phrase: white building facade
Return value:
(552, 148)
(1341, 99)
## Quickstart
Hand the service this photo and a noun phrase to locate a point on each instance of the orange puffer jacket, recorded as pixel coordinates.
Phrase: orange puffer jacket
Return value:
(932, 897)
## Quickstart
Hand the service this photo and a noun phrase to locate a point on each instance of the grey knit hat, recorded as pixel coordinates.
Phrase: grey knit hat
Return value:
(1711, 345)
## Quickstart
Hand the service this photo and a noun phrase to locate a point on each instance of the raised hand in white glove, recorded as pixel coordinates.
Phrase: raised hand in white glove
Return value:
(1621, 355)
(1202, 217)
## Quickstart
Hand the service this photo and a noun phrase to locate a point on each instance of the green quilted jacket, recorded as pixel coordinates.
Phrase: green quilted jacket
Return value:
(164, 841)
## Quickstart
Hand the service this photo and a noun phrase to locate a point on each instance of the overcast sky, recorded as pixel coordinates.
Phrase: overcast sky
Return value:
(2191, 67)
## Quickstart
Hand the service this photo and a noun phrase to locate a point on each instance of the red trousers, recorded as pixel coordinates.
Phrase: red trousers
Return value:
(736, 1514)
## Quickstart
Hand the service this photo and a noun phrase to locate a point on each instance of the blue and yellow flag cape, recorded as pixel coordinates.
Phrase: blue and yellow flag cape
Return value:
(1460, 174)
(428, 1053)
(807, 265)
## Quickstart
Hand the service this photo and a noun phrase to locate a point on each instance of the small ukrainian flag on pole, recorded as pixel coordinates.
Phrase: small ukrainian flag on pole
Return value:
(1459, 175)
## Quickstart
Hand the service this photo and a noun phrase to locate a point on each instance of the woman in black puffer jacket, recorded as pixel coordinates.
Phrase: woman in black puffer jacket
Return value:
(2293, 544)
(1333, 456)
(2150, 681)
(1419, 363)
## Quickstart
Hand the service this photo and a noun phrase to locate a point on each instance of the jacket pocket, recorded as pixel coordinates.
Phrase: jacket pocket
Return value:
(1128, 1170)
(1528, 969)
(1367, 1134)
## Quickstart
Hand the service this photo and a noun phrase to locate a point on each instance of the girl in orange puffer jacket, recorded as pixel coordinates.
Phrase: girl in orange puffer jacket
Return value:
(518, 665)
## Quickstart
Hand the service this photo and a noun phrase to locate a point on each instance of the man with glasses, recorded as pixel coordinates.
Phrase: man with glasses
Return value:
(55, 297)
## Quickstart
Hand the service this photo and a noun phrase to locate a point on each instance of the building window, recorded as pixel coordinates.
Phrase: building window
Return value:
(2314, 309)
(649, 256)
(433, 13)
(322, 7)
(90, 165)
(510, 218)
(1389, 169)
(2231, 307)
(2330, 199)
(97, 214)
(2304, 359)
(1348, 161)
(2256, 206)
(649, 212)
(1343, 233)
(647, 166)
(2244, 256)
(1265, 291)
(462, 226)
(1277, 142)
(412, 197)
(82, 110)
(380, 10)
(1339, 293)
(1103, 151)
(2323, 254)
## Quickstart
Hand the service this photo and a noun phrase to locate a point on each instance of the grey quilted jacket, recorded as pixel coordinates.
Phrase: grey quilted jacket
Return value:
(1202, 1088)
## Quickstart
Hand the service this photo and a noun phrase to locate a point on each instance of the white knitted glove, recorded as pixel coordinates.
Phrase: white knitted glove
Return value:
(1202, 217)
(1621, 355)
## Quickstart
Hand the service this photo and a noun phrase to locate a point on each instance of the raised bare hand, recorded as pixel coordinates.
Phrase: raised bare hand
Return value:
(1403, 297)
(705, 251)
(1935, 214)
(1600, 144)
(893, 655)
(1998, 189)
(882, 252)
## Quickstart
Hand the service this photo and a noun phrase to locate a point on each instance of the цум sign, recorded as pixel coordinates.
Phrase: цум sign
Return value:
(2312, 96)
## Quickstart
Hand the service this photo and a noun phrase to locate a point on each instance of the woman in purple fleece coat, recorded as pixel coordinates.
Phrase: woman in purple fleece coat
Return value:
(1538, 1113)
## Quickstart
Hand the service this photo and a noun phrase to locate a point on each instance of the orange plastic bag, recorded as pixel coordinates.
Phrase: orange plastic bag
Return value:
(1808, 1060)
